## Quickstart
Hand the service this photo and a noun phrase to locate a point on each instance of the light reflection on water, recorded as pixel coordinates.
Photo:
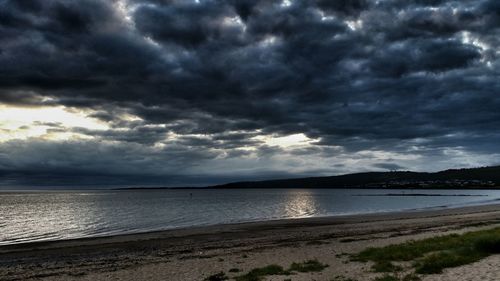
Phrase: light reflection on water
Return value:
(300, 205)
(37, 216)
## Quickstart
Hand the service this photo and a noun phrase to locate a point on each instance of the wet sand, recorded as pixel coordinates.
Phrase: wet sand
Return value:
(195, 253)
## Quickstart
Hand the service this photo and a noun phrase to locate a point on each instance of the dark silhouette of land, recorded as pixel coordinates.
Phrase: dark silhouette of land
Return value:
(480, 178)
(485, 177)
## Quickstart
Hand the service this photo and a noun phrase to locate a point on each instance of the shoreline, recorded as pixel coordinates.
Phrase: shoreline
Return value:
(197, 252)
(235, 226)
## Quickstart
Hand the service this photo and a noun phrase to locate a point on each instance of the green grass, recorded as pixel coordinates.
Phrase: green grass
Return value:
(435, 263)
(432, 255)
(257, 274)
(488, 243)
(308, 266)
(410, 250)
(386, 266)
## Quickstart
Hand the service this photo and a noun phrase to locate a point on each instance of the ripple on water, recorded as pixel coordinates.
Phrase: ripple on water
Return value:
(42, 216)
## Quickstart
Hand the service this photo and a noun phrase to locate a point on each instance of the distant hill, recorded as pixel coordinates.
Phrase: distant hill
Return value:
(485, 177)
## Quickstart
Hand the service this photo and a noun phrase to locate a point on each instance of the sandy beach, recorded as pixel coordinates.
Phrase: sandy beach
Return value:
(196, 253)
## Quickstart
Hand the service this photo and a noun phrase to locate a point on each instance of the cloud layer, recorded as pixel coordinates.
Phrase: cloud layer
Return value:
(199, 88)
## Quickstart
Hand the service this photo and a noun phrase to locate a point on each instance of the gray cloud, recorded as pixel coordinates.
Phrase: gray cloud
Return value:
(207, 78)
(389, 166)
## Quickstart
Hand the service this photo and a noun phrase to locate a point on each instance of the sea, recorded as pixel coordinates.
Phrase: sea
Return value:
(31, 216)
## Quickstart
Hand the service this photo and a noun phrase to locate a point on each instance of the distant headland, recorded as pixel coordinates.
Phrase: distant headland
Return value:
(474, 178)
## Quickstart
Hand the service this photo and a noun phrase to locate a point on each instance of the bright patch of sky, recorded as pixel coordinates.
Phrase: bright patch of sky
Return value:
(287, 141)
(27, 122)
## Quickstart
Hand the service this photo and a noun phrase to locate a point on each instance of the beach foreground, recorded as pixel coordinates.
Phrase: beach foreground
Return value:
(197, 253)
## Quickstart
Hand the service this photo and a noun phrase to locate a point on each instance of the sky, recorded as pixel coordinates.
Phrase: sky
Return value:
(189, 93)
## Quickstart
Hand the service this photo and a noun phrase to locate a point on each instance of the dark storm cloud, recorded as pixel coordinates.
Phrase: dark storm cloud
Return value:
(185, 23)
(22, 98)
(214, 74)
(431, 56)
(137, 134)
(388, 166)
(345, 7)
(90, 156)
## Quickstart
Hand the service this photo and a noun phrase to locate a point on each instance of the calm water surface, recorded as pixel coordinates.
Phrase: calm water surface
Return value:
(40, 216)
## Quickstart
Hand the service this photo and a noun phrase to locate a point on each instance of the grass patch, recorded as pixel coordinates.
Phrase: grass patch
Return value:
(308, 266)
(409, 250)
(435, 263)
(257, 274)
(488, 243)
(386, 266)
(217, 277)
(432, 255)
(234, 269)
